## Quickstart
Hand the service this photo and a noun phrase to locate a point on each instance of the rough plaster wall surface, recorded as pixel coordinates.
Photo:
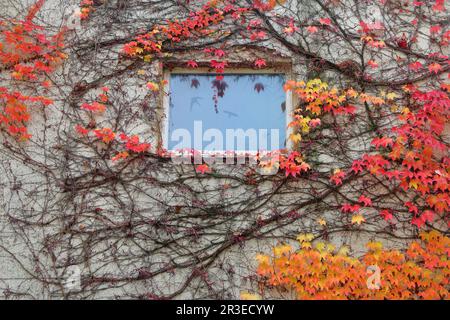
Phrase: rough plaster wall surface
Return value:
(45, 199)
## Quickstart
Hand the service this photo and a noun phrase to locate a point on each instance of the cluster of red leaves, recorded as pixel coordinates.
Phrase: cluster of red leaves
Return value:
(432, 67)
(267, 5)
(85, 8)
(371, 33)
(133, 144)
(318, 272)
(337, 177)
(108, 136)
(293, 164)
(201, 24)
(357, 217)
(97, 106)
(30, 55)
(319, 98)
(197, 24)
(202, 168)
(125, 144)
(416, 157)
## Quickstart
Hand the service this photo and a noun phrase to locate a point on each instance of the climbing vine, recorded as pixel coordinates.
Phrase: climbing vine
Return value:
(321, 272)
(87, 182)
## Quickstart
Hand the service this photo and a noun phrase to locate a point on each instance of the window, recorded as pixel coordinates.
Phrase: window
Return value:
(239, 111)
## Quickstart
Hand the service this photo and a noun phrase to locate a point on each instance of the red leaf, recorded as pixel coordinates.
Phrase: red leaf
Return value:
(435, 29)
(337, 177)
(418, 222)
(325, 21)
(94, 107)
(81, 130)
(386, 214)
(259, 63)
(260, 35)
(434, 67)
(202, 168)
(312, 29)
(350, 208)
(218, 65)
(411, 207)
(427, 215)
(357, 166)
(439, 5)
(372, 64)
(383, 142)
(415, 66)
(364, 200)
(219, 53)
(192, 64)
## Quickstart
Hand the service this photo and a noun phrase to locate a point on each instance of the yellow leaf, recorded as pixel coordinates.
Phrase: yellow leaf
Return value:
(321, 246)
(352, 93)
(262, 259)
(330, 247)
(321, 222)
(249, 296)
(344, 250)
(305, 128)
(374, 246)
(391, 96)
(414, 184)
(281, 250)
(306, 245)
(305, 237)
(296, 137)
(358, 219)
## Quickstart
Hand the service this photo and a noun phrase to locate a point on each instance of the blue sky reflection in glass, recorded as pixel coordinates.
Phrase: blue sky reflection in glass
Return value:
(238, 101)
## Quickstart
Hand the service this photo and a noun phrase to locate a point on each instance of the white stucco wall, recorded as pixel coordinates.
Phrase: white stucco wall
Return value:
(37, 194)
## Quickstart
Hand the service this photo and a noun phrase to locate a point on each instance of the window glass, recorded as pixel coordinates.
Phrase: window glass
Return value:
(234, 109)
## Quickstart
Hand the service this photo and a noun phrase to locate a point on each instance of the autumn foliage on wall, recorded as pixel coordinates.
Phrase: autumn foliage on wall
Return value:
(321, 271)
(412, 155)
(366, 159)
(28, 54)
